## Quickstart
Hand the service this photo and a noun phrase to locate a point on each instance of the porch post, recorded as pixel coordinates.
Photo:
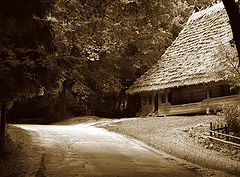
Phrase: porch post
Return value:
(153, 101)
(166, 97)
(153, 96)
(159, 100)
(141, 102)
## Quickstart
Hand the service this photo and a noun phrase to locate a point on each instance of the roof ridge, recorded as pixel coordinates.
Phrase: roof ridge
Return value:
(206, 12)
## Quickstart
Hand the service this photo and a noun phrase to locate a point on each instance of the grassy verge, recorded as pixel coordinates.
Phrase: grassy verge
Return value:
(180, 136)
(17, 159)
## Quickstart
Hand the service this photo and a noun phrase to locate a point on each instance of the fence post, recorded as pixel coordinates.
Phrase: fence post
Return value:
(214, 128)
(210, 128)
(221, 126)
(226, 131)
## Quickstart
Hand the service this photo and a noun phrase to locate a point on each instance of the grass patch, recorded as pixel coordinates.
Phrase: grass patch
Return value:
(14, 160)
(177, 135)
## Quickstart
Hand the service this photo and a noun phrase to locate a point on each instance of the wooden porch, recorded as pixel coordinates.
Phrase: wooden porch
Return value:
(188, 100)
(206, 106)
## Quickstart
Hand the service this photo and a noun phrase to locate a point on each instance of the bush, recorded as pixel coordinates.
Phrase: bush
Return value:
(231, 114)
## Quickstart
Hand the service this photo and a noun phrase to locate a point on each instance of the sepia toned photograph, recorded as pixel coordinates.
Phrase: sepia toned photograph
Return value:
(119, 88)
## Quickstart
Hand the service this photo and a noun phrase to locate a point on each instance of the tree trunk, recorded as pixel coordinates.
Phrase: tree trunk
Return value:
(3, 119)
(232, 9)
(123, 98)
(3, 125)
(119, 103)
(62, 102)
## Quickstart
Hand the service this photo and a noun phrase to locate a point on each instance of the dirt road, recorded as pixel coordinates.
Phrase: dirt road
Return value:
(84, 150)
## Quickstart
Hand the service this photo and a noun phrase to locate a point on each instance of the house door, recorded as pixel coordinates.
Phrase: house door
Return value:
(156, 103)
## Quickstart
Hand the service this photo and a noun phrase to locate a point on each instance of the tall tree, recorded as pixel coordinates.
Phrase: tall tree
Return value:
(27, 63)
(232, 9)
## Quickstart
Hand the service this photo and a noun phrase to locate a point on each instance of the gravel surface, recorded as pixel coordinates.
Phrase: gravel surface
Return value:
(86, 151)
(181, 136)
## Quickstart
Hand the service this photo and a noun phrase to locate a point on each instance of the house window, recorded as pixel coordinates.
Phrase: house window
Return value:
(150, 99)
(170, 97)
(211, 94)
(163, 98)
(144, 100)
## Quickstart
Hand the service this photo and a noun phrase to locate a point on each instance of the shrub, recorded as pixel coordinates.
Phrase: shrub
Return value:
(231, 114)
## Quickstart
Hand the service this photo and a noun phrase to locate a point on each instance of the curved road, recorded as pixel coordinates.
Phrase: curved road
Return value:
(84, 150)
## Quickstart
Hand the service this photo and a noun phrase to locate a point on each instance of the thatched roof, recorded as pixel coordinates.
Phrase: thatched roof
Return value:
(193, 56)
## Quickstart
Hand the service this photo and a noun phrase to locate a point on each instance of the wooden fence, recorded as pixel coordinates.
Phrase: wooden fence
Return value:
(221, 134)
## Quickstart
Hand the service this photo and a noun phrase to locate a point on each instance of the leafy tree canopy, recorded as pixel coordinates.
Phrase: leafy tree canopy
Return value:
(105, 45)
(96, 48)
(26, 62)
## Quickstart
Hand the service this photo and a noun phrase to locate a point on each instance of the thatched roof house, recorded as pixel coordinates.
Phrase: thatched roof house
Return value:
(193, 58)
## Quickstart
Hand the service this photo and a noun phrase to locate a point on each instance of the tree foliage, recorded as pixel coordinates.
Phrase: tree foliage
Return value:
(105, 45)
(92, 49)
(26, 61)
